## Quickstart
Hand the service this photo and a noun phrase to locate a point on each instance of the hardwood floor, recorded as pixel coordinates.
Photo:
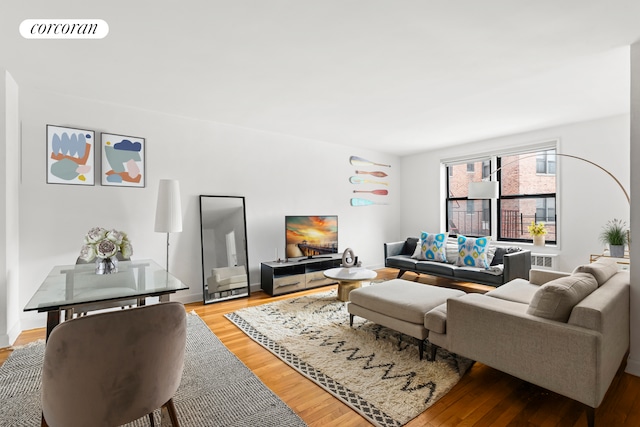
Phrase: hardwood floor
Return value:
(484, 396)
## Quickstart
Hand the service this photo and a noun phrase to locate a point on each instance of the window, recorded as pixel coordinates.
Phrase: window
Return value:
(464, 216)
(546, 162)
(527, 193)
(546, 210)
(486, 169)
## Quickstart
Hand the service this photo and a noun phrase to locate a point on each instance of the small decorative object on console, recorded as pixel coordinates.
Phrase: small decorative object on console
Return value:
(104, 246)
(348, 258)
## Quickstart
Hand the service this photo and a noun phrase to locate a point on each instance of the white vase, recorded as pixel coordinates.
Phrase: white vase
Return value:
(538, 240)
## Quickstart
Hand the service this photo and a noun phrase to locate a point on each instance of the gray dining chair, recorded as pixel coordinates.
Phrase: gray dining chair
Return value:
(112, 368)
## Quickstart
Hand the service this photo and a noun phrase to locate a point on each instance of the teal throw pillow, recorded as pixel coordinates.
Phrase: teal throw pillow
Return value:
(472, 252)
(433, 246)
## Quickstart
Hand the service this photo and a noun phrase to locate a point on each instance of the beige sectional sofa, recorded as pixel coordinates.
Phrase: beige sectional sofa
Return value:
(565, 332)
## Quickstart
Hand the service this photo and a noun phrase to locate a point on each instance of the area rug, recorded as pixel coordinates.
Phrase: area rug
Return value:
(373, 369)
(217, 389)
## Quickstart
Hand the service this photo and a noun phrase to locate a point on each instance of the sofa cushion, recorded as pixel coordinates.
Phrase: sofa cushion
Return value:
(602, 269)
(472, 252)
(493, 276)
(240, 278)
(402, 299)
(451, 250)
(403, 262)
(439, 268)
(555, 299)
(409, 246)
(432, 247)
(517, 290)
(435, 320)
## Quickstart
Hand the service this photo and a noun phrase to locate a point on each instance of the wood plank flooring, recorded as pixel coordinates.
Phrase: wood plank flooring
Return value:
(484, 396)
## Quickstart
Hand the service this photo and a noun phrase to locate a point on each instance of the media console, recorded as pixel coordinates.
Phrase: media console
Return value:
(277, 278)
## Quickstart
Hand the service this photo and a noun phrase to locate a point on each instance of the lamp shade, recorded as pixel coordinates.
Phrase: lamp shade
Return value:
(483, 190)
(168, 209)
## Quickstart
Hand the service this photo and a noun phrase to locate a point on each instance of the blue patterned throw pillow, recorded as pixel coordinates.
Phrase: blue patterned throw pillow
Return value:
(472, 252)
(432, 246)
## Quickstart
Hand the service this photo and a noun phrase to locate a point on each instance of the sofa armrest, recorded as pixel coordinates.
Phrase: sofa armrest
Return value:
(516, 266)
(557, 356)
(393, 249)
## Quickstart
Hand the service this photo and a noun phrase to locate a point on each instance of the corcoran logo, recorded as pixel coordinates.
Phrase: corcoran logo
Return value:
(64, 29)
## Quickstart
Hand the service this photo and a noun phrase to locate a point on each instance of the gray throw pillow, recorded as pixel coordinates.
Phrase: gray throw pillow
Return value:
(555, 299)
(409, 246)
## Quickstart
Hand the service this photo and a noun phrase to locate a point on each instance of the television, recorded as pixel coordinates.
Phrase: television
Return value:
(311, 236)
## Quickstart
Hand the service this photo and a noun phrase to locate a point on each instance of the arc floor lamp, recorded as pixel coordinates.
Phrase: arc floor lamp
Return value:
(489, 189)
(168, 210)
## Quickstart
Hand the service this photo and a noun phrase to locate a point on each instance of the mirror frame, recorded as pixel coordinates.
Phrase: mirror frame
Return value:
(232, 293)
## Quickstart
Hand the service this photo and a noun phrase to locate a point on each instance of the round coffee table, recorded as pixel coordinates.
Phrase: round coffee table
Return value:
(349, 279)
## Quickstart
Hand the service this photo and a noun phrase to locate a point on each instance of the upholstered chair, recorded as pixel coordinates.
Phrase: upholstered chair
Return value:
(112, 368)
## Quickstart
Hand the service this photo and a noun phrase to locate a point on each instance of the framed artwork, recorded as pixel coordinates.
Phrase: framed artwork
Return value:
(123, 160)
(70, 156)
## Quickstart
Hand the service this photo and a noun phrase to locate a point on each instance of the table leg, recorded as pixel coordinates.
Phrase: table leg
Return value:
(344, 288)
(53, 320)
(164, 298)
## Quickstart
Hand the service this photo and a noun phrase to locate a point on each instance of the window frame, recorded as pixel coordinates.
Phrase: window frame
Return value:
(484, 212)
(534, 196)
(493, 211)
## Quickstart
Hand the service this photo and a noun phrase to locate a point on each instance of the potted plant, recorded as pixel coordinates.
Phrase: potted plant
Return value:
(615, 234)
(537, 230)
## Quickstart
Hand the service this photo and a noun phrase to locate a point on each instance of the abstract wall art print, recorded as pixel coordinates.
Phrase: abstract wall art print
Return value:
(123, 160)
(70, 156)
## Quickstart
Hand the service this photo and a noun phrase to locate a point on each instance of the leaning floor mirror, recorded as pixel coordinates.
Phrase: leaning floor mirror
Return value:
(223, 231)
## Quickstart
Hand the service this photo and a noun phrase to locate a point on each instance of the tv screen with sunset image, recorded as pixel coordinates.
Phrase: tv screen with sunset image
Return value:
(311, 236)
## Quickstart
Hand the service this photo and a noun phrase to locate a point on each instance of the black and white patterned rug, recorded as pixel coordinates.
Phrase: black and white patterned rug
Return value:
(217, 389)
(374, 370)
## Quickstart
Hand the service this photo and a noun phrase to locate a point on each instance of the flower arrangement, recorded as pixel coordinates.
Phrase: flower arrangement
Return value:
(615, 232)
(103, 244)
(537, 229)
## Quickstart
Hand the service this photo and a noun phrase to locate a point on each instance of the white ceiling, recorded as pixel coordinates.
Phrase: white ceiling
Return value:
(395, 76)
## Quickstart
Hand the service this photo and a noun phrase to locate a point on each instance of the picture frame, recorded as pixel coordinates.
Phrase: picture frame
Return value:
(70, 155)
(123, 160)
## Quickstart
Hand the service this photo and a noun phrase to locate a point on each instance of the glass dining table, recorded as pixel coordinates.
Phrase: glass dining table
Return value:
(70, 289)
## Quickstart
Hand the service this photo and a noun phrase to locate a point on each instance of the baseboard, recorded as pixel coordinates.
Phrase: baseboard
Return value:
(633, 366)
(4, 341)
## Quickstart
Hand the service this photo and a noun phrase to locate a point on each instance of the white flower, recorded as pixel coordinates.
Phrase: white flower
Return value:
(95, 235)
(106, 249)
(87, 253)
(116, 236)
(126, 249)
(102, 243)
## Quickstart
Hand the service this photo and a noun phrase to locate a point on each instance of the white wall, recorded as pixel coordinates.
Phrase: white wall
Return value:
(587, 197)
(633, 362)
(9, 213)
(278, 175)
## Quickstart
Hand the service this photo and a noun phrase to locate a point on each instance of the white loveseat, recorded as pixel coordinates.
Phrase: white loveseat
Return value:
(226, 279)
(565, 332)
